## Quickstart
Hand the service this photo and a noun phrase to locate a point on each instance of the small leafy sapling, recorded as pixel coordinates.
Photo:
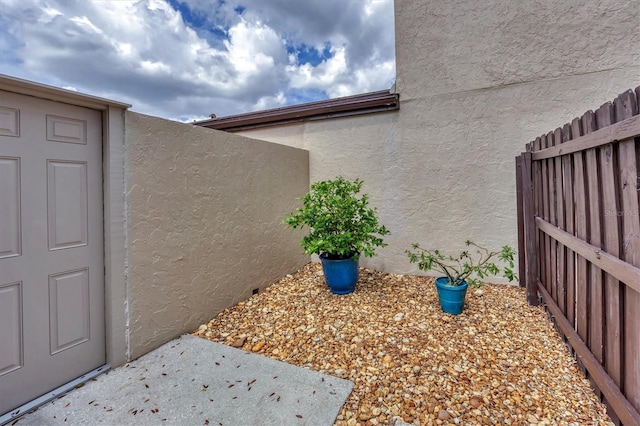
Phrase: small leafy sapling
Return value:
(471, 265)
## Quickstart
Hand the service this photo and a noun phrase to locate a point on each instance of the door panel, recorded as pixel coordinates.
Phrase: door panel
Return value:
(67, 204)
(9, 122)
(68, 309)
(51, 246)
(11, 330)
(61, 129)
(10, 239)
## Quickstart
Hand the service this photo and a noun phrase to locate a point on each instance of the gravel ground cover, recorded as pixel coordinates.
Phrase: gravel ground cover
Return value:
(499, 362)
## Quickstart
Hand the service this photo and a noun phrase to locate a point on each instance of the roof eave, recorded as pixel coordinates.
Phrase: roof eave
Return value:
(374, 102)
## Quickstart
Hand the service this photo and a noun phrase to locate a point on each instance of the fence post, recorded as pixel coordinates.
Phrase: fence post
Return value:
(531, 256)
(521, 247)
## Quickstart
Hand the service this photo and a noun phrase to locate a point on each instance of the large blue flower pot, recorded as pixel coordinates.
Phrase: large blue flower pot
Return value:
(340, 275)
(451, 296)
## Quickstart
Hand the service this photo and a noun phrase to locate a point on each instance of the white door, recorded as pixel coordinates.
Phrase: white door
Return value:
(51, 246)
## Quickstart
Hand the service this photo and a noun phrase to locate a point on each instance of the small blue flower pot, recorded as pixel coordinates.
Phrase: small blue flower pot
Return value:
(451, 296)
(340, 275)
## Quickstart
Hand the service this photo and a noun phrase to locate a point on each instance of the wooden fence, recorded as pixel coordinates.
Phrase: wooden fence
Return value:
(579, 242)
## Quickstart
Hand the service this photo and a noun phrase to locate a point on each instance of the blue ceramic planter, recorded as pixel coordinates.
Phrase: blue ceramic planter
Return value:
(451, 297)
(340, 275)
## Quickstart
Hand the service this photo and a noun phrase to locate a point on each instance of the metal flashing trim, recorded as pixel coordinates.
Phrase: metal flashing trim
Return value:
(56, 393)
(367, 103)
(33, 405)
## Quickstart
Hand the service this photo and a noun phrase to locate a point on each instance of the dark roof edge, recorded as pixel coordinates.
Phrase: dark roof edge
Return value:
(366, 103)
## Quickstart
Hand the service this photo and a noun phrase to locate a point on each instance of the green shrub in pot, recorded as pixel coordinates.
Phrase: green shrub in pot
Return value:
(341, 224)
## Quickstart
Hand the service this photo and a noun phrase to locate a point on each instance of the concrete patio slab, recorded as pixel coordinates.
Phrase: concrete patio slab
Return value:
(193, 381)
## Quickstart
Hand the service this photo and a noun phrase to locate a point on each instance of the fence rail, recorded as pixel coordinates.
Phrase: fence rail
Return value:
(578, 194)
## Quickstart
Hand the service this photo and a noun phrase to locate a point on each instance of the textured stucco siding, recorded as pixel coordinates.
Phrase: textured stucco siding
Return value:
(477, 80)
(204, 211)
(449, 46)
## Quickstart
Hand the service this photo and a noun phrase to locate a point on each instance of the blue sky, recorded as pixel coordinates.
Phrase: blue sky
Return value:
(185, 59)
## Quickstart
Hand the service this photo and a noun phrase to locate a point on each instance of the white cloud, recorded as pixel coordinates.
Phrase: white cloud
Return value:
(48, 14)
(252, 48)
(323, 76)
(209, 59)
(85, 23)
(268, 102)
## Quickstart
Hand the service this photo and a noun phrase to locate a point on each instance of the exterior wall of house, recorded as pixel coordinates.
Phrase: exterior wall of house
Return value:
(203, 223)
(477, 80)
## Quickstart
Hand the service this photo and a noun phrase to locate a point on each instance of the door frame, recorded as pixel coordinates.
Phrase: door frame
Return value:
(115, 226)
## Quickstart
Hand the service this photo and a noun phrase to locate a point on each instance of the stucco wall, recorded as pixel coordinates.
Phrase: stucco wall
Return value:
(477, 80)
(204, 211)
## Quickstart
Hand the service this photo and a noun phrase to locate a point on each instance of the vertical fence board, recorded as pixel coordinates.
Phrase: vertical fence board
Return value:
(567, 190)
(521, 244)
(581, 289)
(560, 278)
(544, 238)
(550, 242)
(626, 106)
(537, 193)
(553, 218)
(613, 294)
(595, 314)
(531, 250)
